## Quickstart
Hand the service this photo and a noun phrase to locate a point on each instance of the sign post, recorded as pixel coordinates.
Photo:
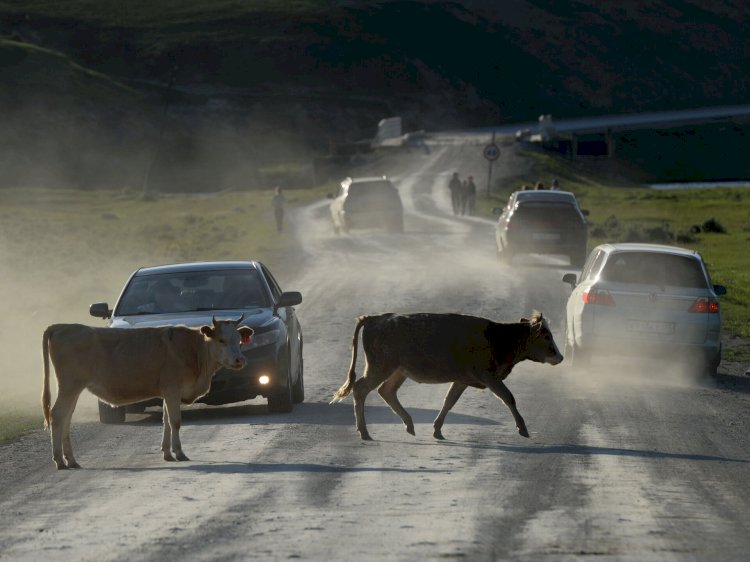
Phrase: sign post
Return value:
(491, 153)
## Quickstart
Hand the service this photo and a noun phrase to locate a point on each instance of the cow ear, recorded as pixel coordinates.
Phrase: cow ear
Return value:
(246, 332)
(207, 331)
(525, 321)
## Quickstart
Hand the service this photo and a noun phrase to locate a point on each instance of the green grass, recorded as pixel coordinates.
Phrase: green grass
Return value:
(606, 189)
(13, 424)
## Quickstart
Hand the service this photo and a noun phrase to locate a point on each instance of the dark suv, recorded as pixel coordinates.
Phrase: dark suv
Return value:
(371, 202)
(542, 222)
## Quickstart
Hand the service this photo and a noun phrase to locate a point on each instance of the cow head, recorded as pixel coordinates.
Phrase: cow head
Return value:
(224, 338)
(541, 346)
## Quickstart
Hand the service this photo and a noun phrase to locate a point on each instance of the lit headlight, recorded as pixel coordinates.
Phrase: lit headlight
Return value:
(264, 379)
(264, 338)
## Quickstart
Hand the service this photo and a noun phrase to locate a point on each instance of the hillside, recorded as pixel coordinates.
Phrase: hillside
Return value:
(204, 93)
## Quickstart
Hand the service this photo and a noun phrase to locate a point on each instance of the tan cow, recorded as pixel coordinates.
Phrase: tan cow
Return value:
(124, 366)
(440, 348)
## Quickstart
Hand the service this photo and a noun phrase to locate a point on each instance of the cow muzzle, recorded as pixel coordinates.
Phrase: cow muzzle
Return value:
(555, 359)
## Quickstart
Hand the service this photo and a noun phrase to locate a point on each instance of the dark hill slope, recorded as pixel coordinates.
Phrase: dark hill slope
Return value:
(298, 69)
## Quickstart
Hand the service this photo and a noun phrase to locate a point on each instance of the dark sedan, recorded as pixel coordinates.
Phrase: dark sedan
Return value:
(191, 294)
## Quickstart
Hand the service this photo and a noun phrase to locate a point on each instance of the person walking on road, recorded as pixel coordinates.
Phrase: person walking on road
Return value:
(455, 188)
(278, 203)
(470, 196)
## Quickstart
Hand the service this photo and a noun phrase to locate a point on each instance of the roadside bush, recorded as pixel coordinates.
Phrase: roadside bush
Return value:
(712, 225)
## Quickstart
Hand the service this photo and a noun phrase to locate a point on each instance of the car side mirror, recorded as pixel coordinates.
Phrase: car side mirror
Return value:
(100, 310)
(288, 298)
(720, 290)
(570, 279)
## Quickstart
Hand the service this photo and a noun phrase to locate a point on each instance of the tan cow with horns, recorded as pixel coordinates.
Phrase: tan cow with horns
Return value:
(440, 348)
(124, 366)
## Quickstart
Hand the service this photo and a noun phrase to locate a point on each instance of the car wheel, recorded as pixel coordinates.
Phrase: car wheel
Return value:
(281, 401)
(505, 255)
(298, 389)
(111, 414)
(578, 358)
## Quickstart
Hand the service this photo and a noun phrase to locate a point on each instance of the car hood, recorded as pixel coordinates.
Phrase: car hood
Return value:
(255, 318)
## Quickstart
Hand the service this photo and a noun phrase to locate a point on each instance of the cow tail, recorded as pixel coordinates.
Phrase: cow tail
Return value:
(45, 384)
(346, 388)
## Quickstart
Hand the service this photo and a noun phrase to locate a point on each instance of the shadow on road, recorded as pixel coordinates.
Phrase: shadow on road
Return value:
(315, 413)
(590, 451)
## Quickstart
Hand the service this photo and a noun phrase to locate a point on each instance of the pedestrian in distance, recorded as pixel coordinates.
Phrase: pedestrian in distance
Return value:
(470, 196)
(278, 203)
(539, 185)
(555, 185)
(455, 188)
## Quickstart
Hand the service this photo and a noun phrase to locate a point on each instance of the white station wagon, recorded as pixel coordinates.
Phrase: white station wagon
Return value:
(644, 300)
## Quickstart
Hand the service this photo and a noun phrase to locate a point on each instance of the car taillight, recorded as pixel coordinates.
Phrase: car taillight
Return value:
(598, 296)
(705, 305)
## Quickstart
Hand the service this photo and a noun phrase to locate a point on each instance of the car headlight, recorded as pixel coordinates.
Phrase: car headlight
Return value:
(264, 338)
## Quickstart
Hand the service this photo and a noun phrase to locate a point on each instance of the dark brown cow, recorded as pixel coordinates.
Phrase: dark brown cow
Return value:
(440, 348)
(124, 366)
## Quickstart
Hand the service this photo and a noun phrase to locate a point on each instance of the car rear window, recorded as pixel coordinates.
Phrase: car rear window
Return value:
(654, 268)
(373, 195)
(559, 214)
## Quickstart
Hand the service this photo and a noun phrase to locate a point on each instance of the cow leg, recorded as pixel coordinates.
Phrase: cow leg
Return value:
(502, 392)
(388, 391)
(361, 390)
(454, 393)
(166, 436)
(174, 415)
(67, 445)
(60, 416)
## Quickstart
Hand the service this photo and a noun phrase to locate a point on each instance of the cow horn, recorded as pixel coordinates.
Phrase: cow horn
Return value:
(241, 318)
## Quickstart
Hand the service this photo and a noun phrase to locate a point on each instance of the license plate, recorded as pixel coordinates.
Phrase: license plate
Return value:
(545, 236)
(650, 327)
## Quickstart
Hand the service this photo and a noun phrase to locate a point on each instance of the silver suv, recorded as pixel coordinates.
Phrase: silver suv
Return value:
(369, 202)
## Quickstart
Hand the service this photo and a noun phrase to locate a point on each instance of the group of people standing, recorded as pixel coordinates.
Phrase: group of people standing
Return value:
(463, 195)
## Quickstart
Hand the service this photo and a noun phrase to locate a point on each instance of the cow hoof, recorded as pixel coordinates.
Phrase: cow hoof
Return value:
(61, 466)
(365, 436)
(438, 435)
(410, 430)
(168, 457)
(523, 431)
(182, 457)
(74, 464)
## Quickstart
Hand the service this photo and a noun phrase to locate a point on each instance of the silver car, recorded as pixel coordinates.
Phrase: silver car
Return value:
(644, 300)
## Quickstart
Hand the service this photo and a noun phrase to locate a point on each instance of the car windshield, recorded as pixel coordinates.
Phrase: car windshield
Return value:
(654, 268)
(372, 195)
(192, 291)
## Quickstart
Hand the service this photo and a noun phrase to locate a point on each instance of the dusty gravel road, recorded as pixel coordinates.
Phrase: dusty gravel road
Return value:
(630, 463)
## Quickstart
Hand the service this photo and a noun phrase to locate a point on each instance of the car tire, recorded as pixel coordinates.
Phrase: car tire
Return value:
(281, 401)
(579, 359)
(111, 414)
(298, 389)
(505, 255)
